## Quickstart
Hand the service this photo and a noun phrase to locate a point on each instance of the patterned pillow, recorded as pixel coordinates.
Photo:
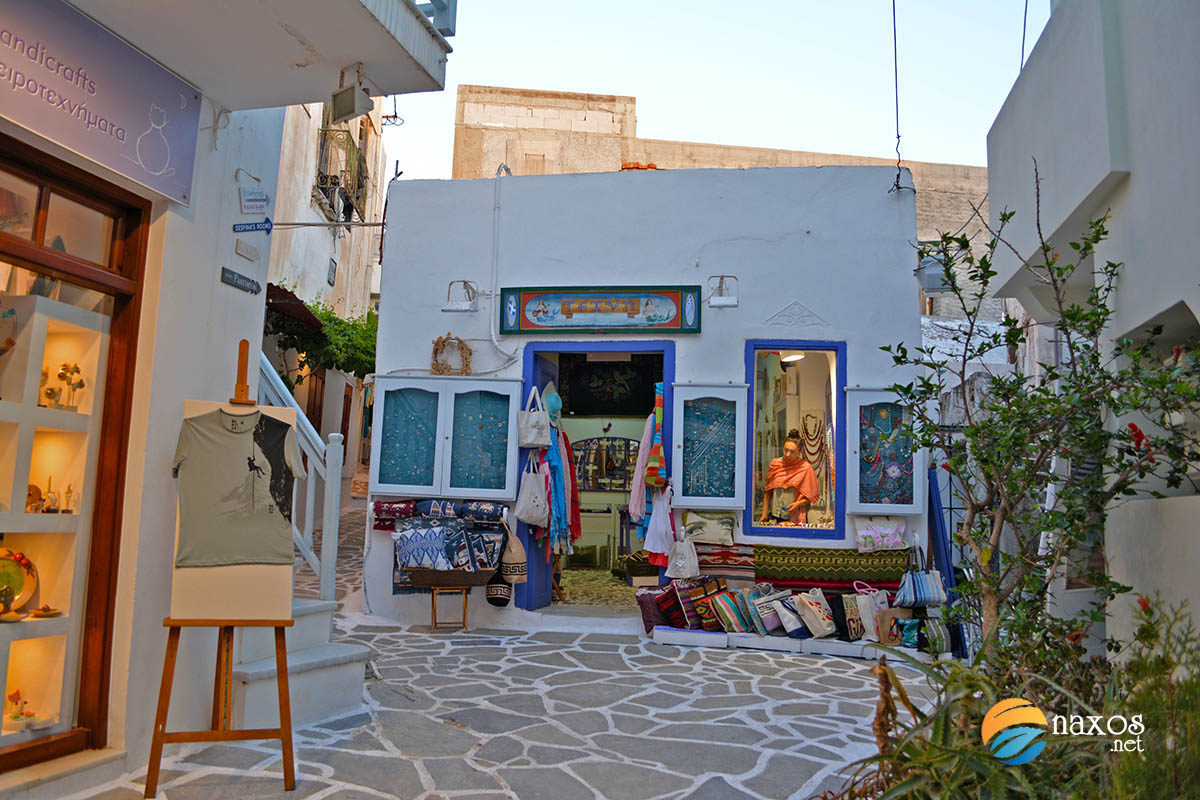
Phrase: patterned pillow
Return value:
(482, 511)
(383, 524)
(421, 545)
(486, 548)
(647, 600)
(701, 596)
(386, 510)
(683, 587)
(729, 611)
(672, 610)
(458, 548)
(438, 508)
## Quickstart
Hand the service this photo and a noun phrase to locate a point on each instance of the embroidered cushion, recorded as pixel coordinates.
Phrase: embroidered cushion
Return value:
(458, 548)
(647, 600)
(482, 511)
(703, 603)
(683, 587)
(399, 510)
(486, 548)
(729, 612)
(420, 544)
(672, 610)
(438, 508)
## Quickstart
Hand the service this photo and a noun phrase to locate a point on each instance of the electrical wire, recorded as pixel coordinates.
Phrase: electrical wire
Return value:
(896, 87)
(1024, 22)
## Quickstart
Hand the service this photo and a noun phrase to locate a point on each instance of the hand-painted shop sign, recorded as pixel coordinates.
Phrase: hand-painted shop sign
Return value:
(69, 79)
(610, 309)
(240, 281)
(243, 227)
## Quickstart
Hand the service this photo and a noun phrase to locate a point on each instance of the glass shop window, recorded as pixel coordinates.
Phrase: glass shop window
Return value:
(793, 439)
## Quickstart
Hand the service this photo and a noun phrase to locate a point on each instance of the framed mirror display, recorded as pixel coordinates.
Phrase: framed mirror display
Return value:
(886, 473)
(709, 457)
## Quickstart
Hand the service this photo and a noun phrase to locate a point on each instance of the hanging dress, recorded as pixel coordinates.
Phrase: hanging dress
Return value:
(660, 532)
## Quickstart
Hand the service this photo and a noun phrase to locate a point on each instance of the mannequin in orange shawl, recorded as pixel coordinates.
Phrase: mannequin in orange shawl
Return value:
(792, 480)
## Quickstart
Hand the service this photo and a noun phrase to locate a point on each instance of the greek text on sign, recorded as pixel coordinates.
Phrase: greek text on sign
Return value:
(254, 201)
(71, 80)
(616, 309)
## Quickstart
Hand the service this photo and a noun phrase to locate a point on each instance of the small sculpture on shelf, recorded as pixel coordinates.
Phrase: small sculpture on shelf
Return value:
(50, 498)
(71, 384)
(67, 497)
(33, 499)
(16, 714)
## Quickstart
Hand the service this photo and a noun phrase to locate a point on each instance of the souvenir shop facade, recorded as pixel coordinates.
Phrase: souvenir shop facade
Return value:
(124, 152)
(754, 301)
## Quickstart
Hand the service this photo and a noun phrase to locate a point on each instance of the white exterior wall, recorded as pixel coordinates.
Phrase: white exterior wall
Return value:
(821, 253)
(1104, 106)
(187, 349)
(189, 331)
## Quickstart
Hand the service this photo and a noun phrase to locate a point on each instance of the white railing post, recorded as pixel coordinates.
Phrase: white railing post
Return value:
(332, 510)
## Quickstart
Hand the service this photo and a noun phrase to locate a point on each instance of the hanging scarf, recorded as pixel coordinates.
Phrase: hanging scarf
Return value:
(560, 532)
(797, 475)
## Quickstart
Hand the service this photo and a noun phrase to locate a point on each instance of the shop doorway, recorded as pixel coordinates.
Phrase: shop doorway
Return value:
(608, 391)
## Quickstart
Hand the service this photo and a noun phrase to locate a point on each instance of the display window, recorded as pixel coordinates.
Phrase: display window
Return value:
(797, 416)
(71, 256)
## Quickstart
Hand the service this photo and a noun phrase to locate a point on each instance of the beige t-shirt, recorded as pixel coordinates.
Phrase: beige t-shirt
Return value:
(235, 476)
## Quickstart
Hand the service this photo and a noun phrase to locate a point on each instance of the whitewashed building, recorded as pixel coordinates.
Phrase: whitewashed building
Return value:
(1105, 105)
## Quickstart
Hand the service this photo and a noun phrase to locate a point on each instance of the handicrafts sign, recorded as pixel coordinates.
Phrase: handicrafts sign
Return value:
(614, 309)
(74, 82)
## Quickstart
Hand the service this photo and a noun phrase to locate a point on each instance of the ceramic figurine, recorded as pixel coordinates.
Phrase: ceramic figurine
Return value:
(50, 504)
(67, 496)
(33, 499)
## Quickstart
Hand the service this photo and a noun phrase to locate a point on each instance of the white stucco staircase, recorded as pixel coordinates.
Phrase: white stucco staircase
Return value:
(325, 677)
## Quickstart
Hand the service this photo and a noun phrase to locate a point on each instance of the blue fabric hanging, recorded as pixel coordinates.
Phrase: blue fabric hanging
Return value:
(560, 532)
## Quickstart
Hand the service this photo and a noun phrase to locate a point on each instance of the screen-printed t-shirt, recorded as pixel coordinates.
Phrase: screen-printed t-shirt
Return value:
(235, 476)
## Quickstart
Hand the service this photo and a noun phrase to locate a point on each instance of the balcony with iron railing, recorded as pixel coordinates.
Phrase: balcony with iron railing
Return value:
(343, 178)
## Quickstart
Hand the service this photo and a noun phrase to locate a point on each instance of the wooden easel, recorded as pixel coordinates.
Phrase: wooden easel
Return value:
(219, 730)
(222, 696)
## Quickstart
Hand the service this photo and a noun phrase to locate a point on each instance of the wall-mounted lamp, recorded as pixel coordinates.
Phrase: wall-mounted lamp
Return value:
(467, 302)
(931, 276)
(722, 295)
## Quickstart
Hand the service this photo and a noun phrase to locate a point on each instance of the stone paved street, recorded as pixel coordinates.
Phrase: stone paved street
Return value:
(491, 714)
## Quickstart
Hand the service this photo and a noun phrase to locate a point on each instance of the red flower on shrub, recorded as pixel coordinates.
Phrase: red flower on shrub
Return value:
(1144, 603)
(1074, 638)
(1177, 351)
(1139, 438)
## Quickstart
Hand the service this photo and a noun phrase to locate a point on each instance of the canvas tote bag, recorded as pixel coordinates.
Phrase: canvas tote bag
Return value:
(682, 561)
(533, 507)
(533, 423)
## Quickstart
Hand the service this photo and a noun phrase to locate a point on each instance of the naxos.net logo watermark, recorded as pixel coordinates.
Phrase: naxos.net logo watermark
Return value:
(1013, 730)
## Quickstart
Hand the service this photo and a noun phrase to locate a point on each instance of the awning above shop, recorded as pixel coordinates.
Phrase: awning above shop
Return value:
(282, 52)
(285, 302)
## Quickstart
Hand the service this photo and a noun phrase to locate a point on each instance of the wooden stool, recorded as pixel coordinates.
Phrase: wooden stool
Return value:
(556, 569)
(222, 696)
(462, 590)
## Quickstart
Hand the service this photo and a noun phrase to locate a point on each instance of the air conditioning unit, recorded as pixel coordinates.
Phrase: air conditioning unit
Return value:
(349, 102)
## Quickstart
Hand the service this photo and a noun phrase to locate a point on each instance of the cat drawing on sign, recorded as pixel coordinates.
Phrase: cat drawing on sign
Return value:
(152, 148)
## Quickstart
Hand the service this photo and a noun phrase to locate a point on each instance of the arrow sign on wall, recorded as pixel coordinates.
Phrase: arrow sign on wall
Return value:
(244, 227)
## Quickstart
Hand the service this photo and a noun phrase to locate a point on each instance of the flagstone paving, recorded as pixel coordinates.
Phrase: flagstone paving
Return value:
(503, 714)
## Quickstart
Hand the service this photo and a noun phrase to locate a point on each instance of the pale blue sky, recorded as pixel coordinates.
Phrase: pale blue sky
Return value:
(798, 75)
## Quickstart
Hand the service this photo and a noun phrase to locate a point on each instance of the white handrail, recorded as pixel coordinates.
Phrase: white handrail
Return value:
(324, 464)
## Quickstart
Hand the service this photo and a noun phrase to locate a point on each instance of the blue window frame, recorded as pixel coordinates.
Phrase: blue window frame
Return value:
(750, 524)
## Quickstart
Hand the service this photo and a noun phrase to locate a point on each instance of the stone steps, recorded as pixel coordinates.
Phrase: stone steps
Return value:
(325, 678)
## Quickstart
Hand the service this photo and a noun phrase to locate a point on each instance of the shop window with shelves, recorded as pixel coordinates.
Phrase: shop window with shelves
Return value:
(796, 450)
(33, 688)
(57, 466)
(445, 437)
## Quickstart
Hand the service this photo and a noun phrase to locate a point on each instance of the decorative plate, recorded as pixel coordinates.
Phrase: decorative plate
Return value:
(18, 573)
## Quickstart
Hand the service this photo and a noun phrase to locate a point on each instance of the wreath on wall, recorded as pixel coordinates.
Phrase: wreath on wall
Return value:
(439, 365)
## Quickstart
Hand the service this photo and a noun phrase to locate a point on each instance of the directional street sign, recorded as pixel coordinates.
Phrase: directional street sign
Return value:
(244, 227)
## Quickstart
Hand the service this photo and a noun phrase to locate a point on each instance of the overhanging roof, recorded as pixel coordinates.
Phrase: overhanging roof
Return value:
(266, 53)
(286, 303)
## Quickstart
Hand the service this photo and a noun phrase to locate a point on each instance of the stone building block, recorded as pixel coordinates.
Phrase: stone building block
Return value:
(558, 124)
(473, 112)
(585, 126)
(530, 122)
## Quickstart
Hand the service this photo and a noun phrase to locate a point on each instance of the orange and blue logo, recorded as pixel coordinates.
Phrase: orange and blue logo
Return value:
(1011, 731)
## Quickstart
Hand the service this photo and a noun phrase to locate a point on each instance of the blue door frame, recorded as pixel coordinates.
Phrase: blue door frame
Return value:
(535, 592)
